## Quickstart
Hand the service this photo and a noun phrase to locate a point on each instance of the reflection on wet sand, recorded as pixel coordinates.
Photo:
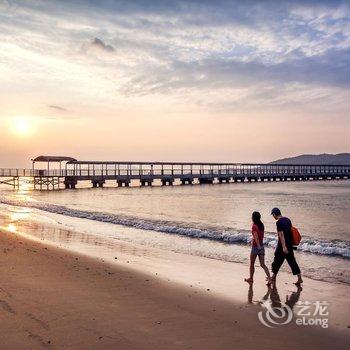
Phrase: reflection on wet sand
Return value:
(11, 221)
(11, 228)
(21, 221)
(273, 296)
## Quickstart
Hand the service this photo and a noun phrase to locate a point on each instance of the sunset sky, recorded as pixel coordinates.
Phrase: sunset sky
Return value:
(173, 80)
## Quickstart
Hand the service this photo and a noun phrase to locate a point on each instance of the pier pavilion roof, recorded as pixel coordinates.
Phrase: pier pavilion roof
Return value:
(54, 159)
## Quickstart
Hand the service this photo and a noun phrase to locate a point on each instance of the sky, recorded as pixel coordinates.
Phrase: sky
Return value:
(161, 80)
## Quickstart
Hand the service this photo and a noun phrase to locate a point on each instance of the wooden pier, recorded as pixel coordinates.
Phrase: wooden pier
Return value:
(165, 173)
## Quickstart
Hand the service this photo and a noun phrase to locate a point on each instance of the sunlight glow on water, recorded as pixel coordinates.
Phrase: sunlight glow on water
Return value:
(11, 228)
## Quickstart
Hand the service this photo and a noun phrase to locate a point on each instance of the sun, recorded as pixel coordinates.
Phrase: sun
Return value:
(21, 126)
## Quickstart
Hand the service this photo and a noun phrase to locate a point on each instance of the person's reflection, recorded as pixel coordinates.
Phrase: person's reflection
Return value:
(293, 298)
(251, 293)
(273, 295)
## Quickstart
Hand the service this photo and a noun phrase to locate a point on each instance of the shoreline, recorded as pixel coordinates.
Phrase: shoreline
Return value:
(332, 269)
(54, 298)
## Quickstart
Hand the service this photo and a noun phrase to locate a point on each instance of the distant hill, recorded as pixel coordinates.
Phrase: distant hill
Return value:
(329, 159)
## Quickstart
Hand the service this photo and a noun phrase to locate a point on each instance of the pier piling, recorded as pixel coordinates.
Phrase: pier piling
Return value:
(97, 172)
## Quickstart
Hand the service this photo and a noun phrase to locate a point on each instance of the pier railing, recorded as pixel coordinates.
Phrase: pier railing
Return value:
(177, 170)
(82, 169)
(8, 172)
(187, 173)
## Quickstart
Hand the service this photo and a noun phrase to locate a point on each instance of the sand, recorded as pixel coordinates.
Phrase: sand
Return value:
(55, 299)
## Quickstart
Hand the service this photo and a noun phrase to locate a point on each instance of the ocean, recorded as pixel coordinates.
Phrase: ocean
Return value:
(213, 221)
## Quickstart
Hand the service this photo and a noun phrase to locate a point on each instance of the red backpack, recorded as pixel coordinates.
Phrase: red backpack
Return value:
(296, 236)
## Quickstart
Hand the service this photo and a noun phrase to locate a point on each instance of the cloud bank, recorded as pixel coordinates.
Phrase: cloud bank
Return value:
(231, 54)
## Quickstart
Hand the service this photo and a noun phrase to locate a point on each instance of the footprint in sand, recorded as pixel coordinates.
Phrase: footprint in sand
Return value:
(38, 321)
(6, 306)
(5, 292)
(38, 339)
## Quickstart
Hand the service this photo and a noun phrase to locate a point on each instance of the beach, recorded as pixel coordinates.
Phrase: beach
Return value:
(151, 152)
(146, 268)
(54, 298)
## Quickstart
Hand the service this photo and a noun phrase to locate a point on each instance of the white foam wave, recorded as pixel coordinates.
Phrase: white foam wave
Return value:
(227, 235)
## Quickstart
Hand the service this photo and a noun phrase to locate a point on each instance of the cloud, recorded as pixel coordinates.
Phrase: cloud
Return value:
(329, 69)
(58, 108)
(258, 52)
(100, 45)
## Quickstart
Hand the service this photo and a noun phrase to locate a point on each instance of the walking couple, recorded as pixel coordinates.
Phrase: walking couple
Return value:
(284, 249)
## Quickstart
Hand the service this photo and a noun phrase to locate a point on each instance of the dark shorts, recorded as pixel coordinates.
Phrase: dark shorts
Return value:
(257, 251)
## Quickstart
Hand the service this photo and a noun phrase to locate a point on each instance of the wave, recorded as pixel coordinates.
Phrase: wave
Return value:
(223, 234)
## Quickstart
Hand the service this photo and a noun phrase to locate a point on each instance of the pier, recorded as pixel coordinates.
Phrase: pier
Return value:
(70, 172)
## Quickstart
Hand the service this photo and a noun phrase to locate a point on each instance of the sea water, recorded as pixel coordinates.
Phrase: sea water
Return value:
(207, 220)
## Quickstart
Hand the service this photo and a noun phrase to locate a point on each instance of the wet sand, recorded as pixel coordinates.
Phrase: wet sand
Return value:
(56, 299)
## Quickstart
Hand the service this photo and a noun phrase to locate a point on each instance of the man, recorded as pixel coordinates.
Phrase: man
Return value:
(284, 248)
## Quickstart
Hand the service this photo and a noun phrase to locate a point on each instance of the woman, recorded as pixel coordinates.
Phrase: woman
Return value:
(258, 248)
